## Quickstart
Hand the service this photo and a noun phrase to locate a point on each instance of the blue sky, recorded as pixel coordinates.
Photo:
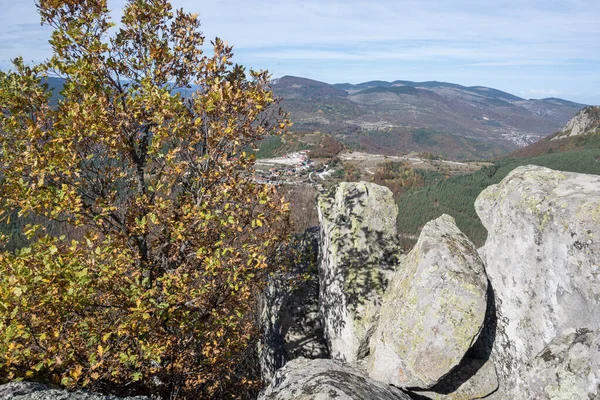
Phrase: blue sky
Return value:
(530, 48)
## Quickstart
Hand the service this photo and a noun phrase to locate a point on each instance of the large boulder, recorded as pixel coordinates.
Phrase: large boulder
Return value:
(358, 246)
(542, 256)
(290, 320)
(433, 310)
(303, 379)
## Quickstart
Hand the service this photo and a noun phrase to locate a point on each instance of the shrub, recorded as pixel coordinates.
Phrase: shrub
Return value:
(158, 291)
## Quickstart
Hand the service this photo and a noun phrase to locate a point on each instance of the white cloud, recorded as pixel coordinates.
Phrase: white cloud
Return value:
(267, 23)
(495, 42)
(517, 63)
(487, 32)
(543, 92)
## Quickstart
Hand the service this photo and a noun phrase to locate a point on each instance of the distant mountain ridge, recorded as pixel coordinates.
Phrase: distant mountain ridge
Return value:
(446, 119)
(390, 113)
(481, 90)
(56, 84)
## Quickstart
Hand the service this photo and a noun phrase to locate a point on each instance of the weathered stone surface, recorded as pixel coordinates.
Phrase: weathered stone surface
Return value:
(432, 311)
(586, 121)
(358, 247)
(542, 256)
(291, 323)
(303, 379)
(568, 368)
(475, 380)
(37, 391)
(12, 389)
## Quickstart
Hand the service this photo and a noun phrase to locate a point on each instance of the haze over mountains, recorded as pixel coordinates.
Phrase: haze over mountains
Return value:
(444, 118)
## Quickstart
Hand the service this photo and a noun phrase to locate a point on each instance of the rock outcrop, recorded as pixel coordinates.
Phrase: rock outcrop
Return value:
(303, 379)
(517, 319)
(358, 252)
(301, 325)
(37, 391)
(586, 121)
(432, 311)
(542, 256)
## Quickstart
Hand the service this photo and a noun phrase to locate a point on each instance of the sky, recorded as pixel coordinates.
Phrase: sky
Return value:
(530, 48)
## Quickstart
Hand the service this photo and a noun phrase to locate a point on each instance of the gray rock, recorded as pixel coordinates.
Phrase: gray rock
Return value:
(476, 379)
(542, 256)
(568, 368)
(290, 321)
(432, 311)
(303, 379)
(586, 121)
(358, 249)
(12, 389)
(37, 391)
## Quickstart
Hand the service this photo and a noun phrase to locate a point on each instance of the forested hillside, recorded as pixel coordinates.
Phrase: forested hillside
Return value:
(456, 196)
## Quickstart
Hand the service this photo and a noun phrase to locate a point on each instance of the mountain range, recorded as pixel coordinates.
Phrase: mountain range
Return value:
(445, 118)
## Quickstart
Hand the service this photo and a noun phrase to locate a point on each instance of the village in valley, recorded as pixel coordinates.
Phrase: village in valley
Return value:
(293, 168)
(298, 167)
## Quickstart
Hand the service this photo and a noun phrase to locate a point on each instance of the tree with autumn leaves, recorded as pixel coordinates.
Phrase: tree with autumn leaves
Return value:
(156, 292)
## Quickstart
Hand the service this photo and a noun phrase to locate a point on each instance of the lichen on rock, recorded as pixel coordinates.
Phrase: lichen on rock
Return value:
(359, 251)
(568, 368)
(37, 391)
(542, 256)
(432, 311)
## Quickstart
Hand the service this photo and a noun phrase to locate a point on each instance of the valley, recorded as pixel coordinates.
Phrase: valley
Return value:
(424, 185)
(450, 120)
